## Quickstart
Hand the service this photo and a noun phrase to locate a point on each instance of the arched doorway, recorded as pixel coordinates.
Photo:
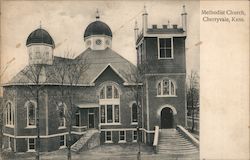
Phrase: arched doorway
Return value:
(167, 118)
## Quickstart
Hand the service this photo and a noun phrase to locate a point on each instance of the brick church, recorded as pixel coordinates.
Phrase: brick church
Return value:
(105, 108)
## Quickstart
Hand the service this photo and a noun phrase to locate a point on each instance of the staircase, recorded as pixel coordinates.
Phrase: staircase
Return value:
(89, 140)
(172, 142)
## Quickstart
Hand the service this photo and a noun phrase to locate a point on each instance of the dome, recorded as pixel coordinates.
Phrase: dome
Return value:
(40, 36)
(97, 28)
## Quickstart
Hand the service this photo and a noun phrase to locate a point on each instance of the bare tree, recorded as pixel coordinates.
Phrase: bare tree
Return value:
(67, 73)
(193, 98)
(137, 77)
(36, 76)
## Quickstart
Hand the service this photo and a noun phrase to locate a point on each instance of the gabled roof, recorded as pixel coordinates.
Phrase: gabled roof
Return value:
(96, 61)
(99, 60)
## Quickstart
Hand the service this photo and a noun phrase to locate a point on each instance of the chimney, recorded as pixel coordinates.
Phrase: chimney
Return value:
(174, 26)
(144, 21)
(154, 26)
(184, 18)
(164, 26)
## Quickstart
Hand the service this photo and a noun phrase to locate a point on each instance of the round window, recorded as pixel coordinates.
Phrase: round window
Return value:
(88, 43)
(98, 42)
(107, 42)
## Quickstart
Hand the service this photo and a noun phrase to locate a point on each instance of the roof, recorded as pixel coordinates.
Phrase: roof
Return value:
(165, 31)
(96, 62)
(97, 28)
(87, 105)
(99, 60)
(40, 36)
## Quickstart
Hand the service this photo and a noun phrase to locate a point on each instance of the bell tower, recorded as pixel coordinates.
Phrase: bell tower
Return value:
(161, 52)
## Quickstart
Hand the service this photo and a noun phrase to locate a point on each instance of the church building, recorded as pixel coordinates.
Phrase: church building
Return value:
(105, 108)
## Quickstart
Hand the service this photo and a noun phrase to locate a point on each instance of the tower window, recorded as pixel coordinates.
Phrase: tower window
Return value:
(37, 49)
(165, 48)
(166, 87)
(98, 42)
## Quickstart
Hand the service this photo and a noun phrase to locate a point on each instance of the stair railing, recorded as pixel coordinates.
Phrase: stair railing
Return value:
(188, 135)
(156, 139)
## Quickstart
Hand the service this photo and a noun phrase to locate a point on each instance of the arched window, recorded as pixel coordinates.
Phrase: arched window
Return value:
(31, 114)
(110, 103)
(109, 92)
(9, 114)
(166, 87)
(62, 120)
(134, 113)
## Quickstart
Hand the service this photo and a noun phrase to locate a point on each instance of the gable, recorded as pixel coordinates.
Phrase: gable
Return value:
(109, 74)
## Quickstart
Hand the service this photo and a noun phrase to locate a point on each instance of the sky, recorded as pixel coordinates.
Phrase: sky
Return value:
(66, 21)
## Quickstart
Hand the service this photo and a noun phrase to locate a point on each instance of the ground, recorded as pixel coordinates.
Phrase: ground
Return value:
(104, 152)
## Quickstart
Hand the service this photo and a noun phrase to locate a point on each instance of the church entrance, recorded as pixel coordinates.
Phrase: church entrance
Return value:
(167, 118)
(91, 118)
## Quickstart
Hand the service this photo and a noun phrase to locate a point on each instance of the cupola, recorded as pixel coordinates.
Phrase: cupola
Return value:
(40, 47)
(98, 35)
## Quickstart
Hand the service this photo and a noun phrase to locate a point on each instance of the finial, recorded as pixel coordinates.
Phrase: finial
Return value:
(145, 11)
(97, 14)
(183, 9)
(136, 26)
(168, 23)
(40, 26)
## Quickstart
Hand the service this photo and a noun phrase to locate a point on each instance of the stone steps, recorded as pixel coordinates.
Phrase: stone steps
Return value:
(173, 142)
(78, 145)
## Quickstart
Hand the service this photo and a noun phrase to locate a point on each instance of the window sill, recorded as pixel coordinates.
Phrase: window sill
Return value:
(107, 124)
(166, 96)
(134, 123)
(10, 126)
(123, 141)
(63, 127)
(134, 141)
(30, 127)
(31, 151)
(108, 142)
(165, 58)
(62, 147)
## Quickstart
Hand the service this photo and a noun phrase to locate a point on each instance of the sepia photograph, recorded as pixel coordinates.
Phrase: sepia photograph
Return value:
(100, 80)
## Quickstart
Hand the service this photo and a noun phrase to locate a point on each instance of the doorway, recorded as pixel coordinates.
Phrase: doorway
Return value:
(91, 119)
(167, 119)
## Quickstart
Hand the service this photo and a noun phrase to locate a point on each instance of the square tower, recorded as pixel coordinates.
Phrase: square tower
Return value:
(161, 52)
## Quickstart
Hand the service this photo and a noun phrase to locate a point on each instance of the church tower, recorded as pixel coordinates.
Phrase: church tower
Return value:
(98, 35)
(162, 51)
(40, 47)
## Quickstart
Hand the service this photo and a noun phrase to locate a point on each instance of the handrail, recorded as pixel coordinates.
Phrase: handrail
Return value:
(156, 139)
(188, 135)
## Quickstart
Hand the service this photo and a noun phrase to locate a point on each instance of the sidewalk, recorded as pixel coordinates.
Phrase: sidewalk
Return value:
(107, 152)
